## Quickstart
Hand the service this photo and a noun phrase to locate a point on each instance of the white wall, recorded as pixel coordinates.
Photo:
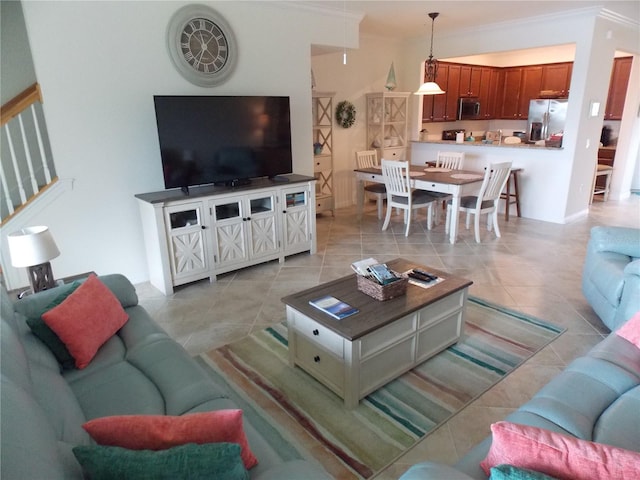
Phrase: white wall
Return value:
(99, 65)
(365, 72)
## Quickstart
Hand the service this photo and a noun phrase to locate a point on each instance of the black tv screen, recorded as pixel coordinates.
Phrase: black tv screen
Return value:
(222, 139)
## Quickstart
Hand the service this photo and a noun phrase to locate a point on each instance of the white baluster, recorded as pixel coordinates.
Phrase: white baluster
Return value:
(45, 165)
(23, 195)
(27, 152)
(5, 189)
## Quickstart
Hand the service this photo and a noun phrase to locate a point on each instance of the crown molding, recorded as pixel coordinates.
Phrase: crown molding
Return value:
(338, 13)
(619, 19)
(587, 12)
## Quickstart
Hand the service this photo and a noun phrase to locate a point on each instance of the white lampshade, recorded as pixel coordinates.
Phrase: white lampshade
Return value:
(32, 246)
(429, 88)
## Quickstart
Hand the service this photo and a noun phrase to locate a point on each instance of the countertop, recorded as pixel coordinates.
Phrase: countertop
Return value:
(488, 145)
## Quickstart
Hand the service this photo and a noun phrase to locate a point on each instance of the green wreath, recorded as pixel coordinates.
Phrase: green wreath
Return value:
(345, 114)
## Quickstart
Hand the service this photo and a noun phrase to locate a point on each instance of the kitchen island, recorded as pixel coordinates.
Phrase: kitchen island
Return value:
(543, 179)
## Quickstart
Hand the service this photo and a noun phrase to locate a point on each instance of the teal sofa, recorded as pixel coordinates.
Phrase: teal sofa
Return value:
(596, 398)
(140, 370)
(611, 274)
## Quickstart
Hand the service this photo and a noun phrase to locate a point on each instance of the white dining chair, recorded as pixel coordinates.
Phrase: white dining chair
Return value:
(400, 195)
(495, 178)
(452, 160)
(369, 159)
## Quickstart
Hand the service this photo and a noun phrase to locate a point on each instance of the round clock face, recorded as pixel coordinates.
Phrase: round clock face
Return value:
(201, 45)
(204, 46)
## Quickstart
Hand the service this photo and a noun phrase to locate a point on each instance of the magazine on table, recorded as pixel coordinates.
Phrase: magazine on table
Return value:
(361, 266)
(334, 307)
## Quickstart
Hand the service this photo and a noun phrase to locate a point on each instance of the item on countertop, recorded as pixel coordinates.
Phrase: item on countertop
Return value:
(334, 307)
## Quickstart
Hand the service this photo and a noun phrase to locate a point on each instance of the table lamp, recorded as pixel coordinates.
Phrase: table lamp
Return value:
(33, 247)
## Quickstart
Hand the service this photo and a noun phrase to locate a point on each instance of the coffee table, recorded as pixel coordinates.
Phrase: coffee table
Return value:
(358, 354)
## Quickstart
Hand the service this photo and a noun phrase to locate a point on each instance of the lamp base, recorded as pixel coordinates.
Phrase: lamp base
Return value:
(41, 277)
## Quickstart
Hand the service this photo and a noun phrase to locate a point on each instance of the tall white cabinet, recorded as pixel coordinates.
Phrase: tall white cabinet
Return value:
(322, 111)
(215, 230)
(387, 124)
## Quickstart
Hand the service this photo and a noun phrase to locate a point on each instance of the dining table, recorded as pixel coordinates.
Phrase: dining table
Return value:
(457, 183)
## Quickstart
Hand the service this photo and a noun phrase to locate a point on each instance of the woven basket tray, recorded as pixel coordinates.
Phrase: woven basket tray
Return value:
(382, 292)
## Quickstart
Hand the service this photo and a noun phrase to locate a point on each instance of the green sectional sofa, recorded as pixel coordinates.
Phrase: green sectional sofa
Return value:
(611, 274)
(139, 370)
(596, 398)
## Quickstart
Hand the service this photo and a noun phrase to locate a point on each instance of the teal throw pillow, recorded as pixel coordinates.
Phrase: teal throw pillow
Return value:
(189, 462)
(48, 336)
(509, 472)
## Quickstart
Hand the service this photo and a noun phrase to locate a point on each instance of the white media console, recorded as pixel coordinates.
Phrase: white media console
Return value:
(215, 230)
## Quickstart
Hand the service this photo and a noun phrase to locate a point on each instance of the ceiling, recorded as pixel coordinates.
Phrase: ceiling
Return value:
(409, 19)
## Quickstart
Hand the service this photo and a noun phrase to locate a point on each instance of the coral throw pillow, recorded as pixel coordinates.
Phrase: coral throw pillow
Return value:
(558, 455)
(158, 432)
(86, 319)
(630, 331)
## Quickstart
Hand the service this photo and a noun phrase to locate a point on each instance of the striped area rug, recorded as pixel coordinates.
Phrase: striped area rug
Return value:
(306, 420)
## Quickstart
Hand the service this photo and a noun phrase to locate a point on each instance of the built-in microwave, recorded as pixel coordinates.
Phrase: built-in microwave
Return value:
(468, 108)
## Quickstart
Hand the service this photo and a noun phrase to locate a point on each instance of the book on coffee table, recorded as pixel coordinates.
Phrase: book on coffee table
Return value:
(334, 307)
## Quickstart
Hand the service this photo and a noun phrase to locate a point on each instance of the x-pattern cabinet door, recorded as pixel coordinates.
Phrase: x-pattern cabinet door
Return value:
(296, 217)
(228, 217)
(263, 232)
(187, 240)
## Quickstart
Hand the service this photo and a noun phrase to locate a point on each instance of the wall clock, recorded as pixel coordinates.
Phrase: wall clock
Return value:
(201, 45)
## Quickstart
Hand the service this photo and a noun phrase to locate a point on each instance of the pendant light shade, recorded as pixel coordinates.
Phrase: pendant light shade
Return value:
(430, 87)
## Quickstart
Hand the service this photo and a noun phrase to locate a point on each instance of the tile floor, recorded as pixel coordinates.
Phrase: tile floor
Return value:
(535, 268)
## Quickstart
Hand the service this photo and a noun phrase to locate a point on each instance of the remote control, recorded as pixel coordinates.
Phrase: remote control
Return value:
(421, 277)
(426, 274)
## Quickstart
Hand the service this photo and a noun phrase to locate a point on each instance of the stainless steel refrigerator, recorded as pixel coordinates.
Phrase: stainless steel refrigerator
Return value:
(547, 117)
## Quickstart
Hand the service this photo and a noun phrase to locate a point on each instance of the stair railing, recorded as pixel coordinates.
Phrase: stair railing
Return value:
(28, 173)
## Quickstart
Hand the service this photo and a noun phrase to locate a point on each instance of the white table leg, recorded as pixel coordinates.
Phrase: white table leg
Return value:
(453, 226)
(360, 198)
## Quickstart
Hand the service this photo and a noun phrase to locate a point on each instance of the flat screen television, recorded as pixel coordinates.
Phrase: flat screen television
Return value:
(222, 140)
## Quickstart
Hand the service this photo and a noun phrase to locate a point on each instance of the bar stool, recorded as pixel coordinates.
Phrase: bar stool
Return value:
(605, 170)
(511, 197)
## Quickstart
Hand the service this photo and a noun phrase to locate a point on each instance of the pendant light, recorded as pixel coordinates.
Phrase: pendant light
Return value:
(430, 87)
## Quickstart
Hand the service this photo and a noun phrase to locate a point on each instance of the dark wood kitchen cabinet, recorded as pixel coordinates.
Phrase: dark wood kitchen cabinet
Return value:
(470, 78)
(531, 83)
(618, 88)
(489, 86)
(505, 92)
(511, 92)
(556, 77)
(444, 107)
(521, 84)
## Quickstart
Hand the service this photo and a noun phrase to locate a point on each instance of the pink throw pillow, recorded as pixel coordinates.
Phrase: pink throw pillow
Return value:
(558, 455)
(630, 331)
(86, 319)
(159, 432)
